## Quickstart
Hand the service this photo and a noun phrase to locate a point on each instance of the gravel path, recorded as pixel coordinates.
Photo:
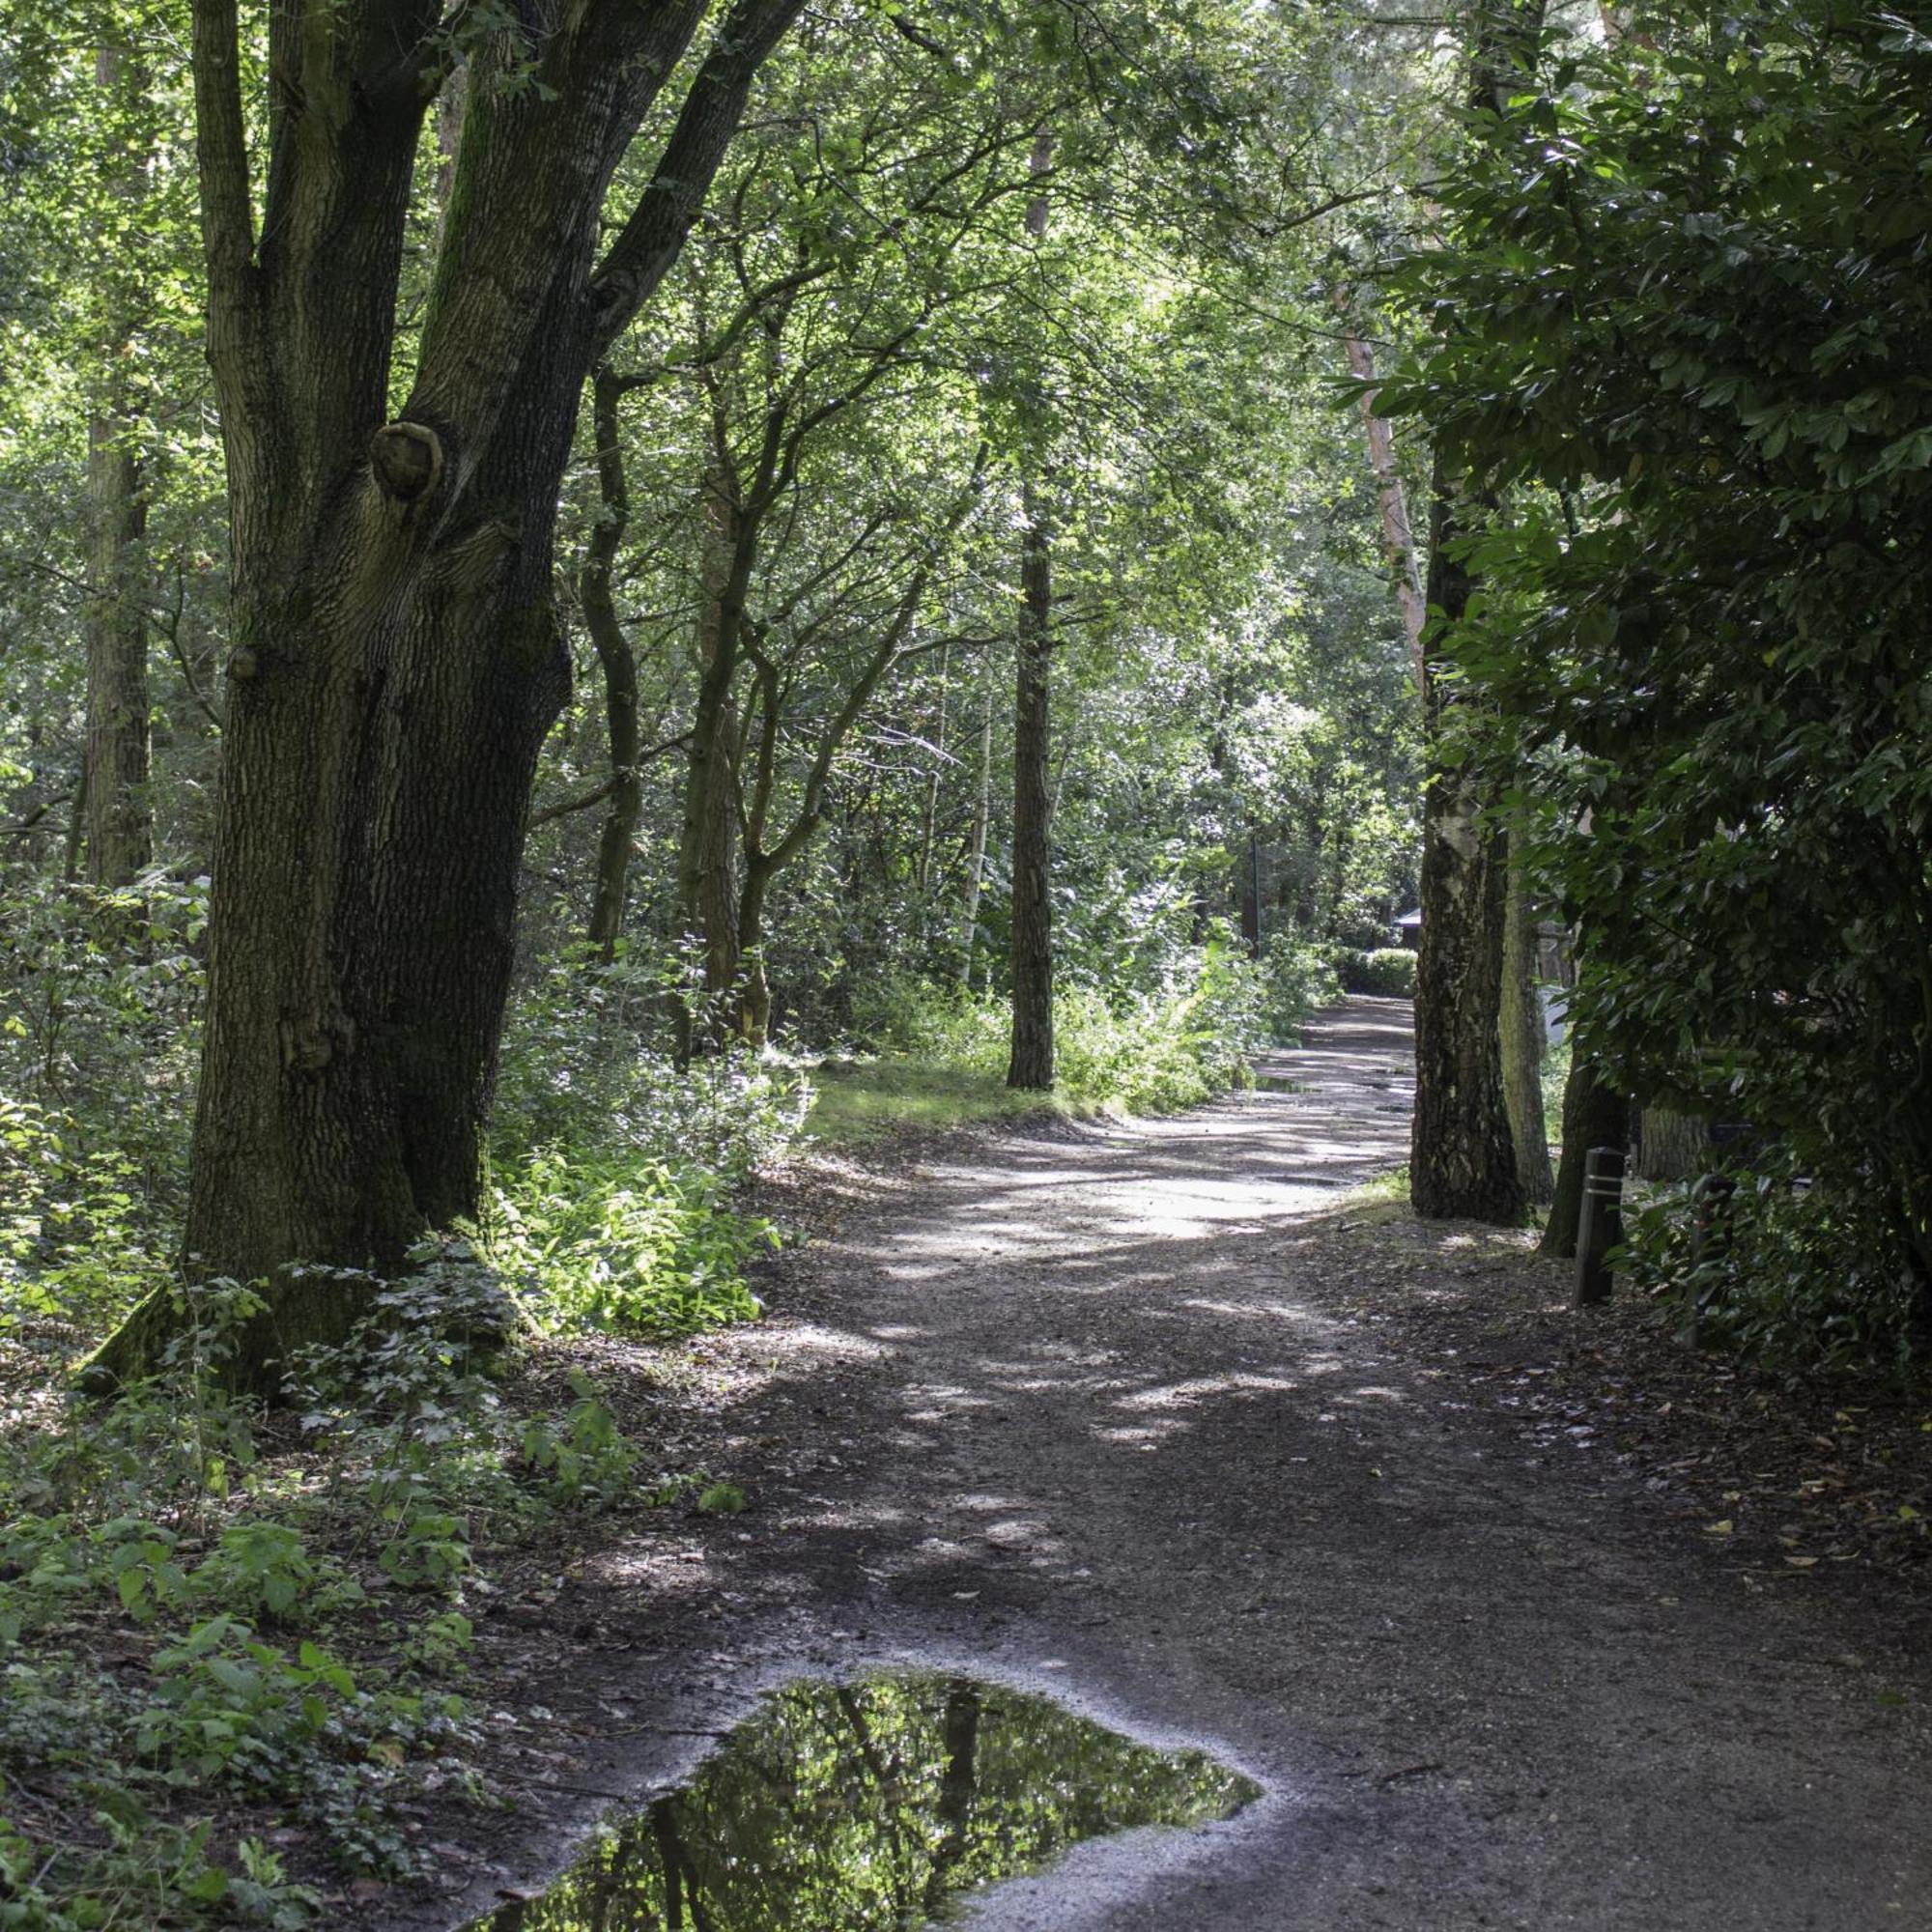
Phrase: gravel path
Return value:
(1112, 1410)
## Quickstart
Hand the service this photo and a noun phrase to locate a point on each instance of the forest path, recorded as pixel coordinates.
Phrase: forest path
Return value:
(1136, 1413)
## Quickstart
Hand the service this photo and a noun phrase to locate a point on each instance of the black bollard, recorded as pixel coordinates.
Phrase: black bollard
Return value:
(1600, 1227)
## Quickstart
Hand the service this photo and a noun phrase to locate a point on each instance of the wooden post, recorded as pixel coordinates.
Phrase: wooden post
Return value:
(1600, 1227)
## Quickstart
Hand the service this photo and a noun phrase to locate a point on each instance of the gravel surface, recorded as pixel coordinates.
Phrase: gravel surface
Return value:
(1162, 1418)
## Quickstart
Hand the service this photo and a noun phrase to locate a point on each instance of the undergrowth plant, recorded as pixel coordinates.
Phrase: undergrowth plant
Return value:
(1192, 1033)
(1800, 1276)
(189, 1591)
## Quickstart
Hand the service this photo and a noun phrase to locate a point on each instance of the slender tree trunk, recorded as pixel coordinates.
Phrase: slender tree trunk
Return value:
(1398, 539)
(1524, 1040)
(619, 668)
(975, 869)
(707, 883)
(930, 829)
(1031, 1065)
(119, 822)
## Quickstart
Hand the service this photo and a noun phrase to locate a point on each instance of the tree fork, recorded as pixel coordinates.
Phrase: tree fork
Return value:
(398, 656)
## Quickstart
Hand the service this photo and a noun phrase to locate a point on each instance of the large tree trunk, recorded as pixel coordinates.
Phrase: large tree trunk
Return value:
(1672, 1146)
(397, 655)
(1524, 1039)
(1031, 1065)
(1462, 1162)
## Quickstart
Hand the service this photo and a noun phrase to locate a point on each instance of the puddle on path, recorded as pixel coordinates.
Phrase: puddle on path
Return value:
(844, 1807)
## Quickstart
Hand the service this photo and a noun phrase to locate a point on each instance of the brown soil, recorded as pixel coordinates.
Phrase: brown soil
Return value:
(1524, 1616)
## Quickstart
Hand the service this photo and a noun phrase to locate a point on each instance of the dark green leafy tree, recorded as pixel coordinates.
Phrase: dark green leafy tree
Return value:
(1681, 317)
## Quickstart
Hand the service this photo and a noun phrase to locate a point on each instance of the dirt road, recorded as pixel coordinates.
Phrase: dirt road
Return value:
(1112, 1410)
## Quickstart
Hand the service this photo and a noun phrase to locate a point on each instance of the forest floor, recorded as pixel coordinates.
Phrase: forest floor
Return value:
(1522, 1617)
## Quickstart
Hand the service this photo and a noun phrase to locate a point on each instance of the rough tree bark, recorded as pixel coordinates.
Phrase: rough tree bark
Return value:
(1031, 1062)
(397, 657)
(1463, 1156)
(1672, 1146)
(1462, 1160)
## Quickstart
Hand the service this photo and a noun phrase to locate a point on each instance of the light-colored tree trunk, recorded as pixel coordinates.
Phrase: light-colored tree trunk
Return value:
(1524, 1040)
(1398, 538)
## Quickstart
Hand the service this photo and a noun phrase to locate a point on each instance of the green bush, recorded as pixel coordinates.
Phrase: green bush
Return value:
(1299, 979)
(1389, 971)
(615, 1240)
(1147, 1052)
(1813, 1276)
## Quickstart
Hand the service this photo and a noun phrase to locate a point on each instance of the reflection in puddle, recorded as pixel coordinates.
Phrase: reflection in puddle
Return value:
(842, 1808)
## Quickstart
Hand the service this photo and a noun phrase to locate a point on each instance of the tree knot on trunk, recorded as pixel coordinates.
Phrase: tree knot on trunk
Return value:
(406, 459)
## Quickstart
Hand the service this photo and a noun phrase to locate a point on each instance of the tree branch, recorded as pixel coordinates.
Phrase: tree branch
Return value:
(649, 241)
(227, 222)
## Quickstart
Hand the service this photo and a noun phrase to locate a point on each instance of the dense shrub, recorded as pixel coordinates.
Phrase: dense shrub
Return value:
(1299, 980)
(1812, 1276)
(611, 1204)
(1389, 971)
(1149, 1051)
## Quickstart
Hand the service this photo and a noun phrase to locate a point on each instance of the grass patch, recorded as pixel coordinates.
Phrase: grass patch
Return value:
(1381, 1190)
(857, 1100)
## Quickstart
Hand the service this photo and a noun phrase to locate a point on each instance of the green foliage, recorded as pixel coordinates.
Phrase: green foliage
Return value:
(98, 1042)
(1388, 971)
(1147, 1052)
(1678, 305)
(1809, 1278)
(1299, 980)
(580, 1456)
(623, 1242)
(586, 1067)
(871, 1806)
